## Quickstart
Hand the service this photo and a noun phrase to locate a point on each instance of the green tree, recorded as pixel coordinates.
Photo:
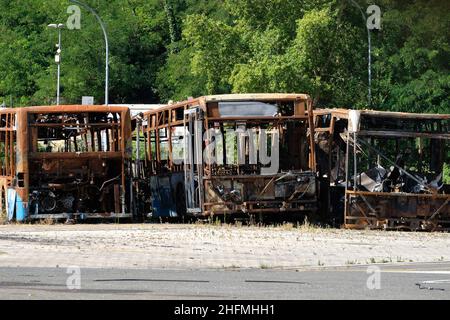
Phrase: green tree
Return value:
(138, 35)
(171, 49)
(412, 57)
(320, 47)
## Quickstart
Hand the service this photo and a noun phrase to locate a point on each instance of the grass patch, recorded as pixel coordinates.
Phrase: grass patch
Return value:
(287, 226)
(3, 217)
(47, 222)
(309, 227)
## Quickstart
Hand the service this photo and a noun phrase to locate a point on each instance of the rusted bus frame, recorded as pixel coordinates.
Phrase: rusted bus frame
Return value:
(344, 114)
(80, 125)
(77, 155)
(112, 136)
(303, 110)
(401, 115)
(317, 114)
(165, 118)
(257, 121)
(23, 147)
(374, 221)
(8, 136)
(393, 194)
(157, 120)
(74, 109)
(202, 101)
(248, 207)
(325, 176)
(394, 134)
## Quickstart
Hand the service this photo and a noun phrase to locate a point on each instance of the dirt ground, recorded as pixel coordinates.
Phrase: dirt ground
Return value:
(207, 246)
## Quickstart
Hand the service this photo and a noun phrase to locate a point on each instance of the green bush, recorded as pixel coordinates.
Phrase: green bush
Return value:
(446, 173)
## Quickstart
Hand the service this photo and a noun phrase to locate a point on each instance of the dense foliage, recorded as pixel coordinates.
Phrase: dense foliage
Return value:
(172, 49)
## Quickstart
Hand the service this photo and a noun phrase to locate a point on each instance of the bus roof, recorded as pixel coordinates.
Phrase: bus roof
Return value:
(66, 108)
(384, 114)
(256, 96)
(234, 97)
(136, 109)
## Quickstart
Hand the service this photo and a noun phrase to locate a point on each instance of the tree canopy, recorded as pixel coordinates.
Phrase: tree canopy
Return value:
(172, 49)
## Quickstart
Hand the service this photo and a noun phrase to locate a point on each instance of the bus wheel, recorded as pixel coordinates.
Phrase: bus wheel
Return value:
(181, 203)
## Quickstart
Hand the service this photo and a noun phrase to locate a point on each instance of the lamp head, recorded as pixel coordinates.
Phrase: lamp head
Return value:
(56, 26)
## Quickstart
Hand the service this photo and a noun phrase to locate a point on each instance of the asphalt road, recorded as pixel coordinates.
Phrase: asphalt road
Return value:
(407, 281)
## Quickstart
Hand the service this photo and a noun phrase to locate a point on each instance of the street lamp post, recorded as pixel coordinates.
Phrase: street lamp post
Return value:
(59, 26)
(369, 41)
(106, 45)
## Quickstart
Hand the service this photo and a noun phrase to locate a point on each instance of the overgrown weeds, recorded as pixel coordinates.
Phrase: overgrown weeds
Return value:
(3, 217)
(47, 222)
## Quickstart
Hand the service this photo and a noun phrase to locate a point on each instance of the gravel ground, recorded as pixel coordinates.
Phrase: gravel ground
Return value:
(211, 247)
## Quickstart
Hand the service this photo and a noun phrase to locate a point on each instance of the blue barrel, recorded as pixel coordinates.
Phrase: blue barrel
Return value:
(21, 210)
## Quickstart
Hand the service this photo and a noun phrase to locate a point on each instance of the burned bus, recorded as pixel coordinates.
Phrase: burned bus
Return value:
(65, 162)
(386, 170)
(239, 154)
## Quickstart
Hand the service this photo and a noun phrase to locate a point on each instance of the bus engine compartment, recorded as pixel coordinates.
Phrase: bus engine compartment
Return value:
(77, 164)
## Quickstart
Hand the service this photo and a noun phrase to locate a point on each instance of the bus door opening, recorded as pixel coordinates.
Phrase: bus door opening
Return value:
(193, 160)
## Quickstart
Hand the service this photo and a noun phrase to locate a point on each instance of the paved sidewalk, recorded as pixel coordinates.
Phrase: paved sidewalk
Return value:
(211, 247)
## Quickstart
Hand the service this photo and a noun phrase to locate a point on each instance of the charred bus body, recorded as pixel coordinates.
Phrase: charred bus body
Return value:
(238, 155)
(66, 162)
(230, 155)
(385, 169)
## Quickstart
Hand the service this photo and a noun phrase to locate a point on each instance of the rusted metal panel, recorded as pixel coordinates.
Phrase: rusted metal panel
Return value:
(70, 161)
(394, 167)
(239, 183)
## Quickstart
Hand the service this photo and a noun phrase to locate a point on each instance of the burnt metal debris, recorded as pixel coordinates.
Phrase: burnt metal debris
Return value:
(273, 156)
(66, 162)
(386, 167)
(236, 182)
